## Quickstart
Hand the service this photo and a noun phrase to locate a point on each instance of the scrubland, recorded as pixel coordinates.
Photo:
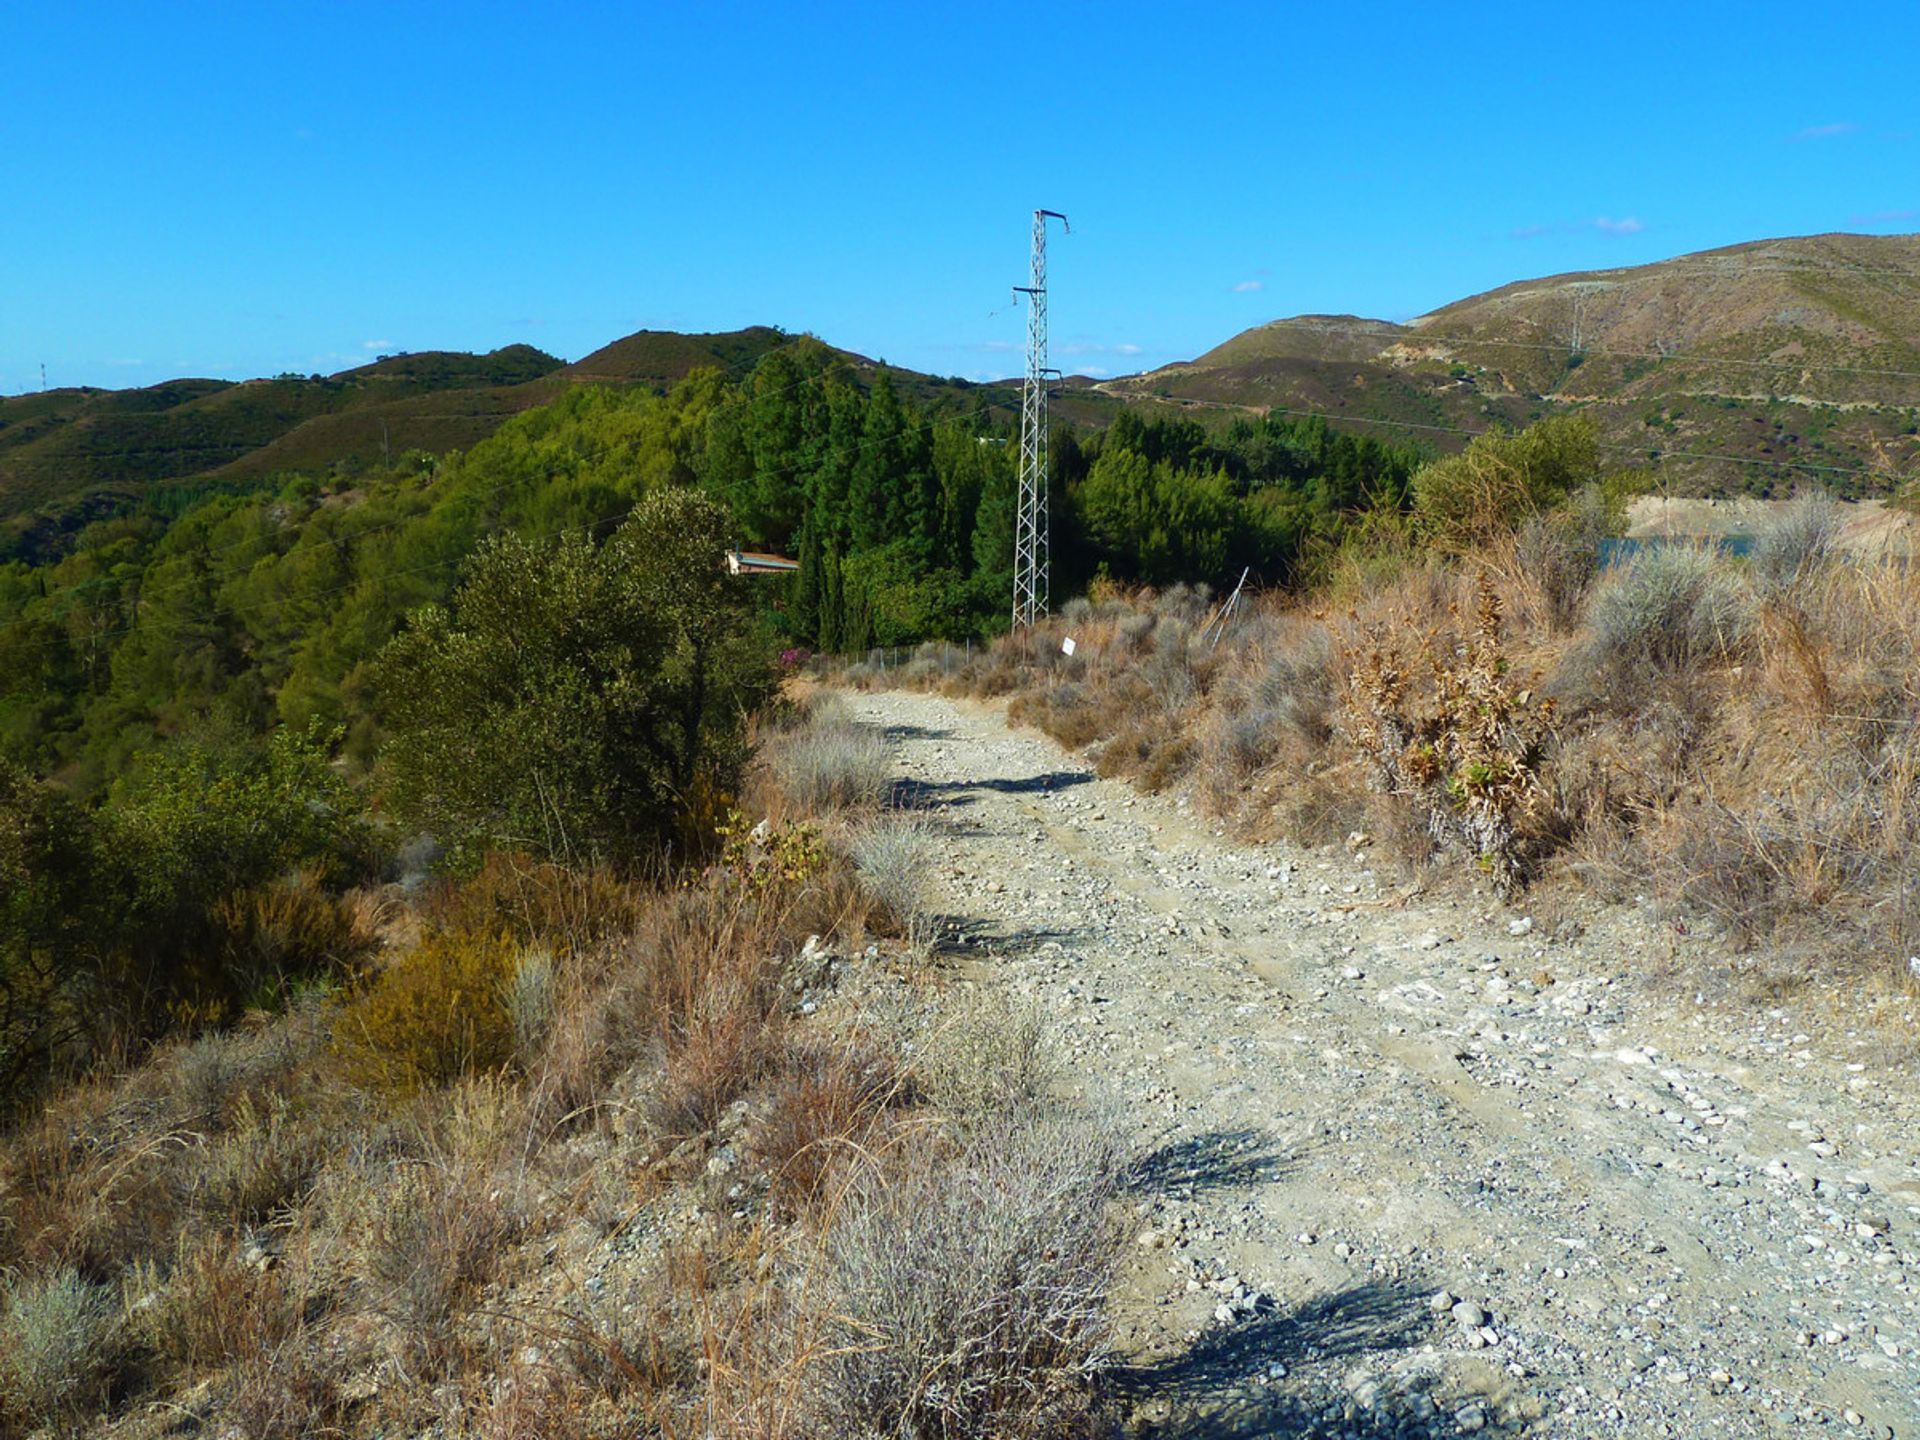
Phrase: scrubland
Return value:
(561, 1152)
(1728, 739)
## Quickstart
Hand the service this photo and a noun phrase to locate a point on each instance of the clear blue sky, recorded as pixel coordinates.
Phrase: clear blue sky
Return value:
(240, 190)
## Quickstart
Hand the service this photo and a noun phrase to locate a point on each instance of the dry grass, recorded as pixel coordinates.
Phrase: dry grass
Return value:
(319, 1219)
(828, 762)
(967, 1286)
(894, 858)
(1733, 740)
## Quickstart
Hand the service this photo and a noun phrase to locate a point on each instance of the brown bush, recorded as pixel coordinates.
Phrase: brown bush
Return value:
(538, 902)
(704, 995)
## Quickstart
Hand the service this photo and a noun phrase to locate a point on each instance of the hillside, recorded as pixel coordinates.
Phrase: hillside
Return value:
(1795, 358)
(69, 456)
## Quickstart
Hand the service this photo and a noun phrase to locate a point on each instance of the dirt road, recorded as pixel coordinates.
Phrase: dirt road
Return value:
(1419, 1167)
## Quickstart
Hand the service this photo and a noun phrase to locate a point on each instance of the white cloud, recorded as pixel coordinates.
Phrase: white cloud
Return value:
(1095, 347)
(376, 344)
(1605, 224)
(1884, 217)
(1831, 131)
(1247, 287)
(1099, 372)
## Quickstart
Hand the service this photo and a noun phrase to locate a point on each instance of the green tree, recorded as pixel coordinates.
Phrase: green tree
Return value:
(571, 698)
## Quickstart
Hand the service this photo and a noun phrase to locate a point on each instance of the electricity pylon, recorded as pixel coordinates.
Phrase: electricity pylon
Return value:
(1030, 540)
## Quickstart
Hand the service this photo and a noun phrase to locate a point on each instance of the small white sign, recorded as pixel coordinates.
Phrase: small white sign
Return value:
(1066, 646)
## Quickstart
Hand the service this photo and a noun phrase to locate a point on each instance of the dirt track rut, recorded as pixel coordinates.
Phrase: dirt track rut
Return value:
(1651, 1214)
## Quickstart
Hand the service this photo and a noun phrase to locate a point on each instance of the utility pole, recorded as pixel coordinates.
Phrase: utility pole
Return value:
(1031, 555)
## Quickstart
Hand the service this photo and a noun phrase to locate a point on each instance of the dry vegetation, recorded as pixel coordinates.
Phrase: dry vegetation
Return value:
(577, 1155)
(1732, 739)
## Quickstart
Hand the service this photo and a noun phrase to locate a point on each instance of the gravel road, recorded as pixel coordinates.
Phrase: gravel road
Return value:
(1418, 1166)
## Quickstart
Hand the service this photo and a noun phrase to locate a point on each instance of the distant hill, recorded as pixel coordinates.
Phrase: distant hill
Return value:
(1799, 359)
(69, 455)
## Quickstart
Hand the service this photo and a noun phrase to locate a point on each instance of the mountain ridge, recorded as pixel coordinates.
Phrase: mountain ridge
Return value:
(1783, 359)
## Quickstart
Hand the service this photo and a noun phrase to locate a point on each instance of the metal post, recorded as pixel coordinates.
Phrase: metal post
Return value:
(1031, 557)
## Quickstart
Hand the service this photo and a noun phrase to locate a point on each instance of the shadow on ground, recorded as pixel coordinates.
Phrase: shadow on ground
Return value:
(1215, 1160)
(1232, 1383)
(915, 732)
(919, 794)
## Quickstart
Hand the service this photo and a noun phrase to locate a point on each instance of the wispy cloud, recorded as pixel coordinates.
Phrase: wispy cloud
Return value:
(1605, 224)
(376, 344)
(1884, 217)
(1095, 347)
(1248, 287)
(1831, 131)
(1098, 372)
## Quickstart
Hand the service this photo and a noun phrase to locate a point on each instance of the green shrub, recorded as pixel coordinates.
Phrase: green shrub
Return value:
(571, 697)
(59, 1345)
(1489, 488)
(438, 1013)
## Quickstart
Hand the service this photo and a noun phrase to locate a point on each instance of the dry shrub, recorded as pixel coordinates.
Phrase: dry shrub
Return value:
(60, 1344)
(264, 1162)
(704, 996)
(215, 1308)
(530, 995)
(1793, 543)
(1068, 713)
(96, 1195)
(1273, 707)
(1557, 555)
(431, 1016)
(1670, 607)
(430, 1232)
(894, 860)
(1449, 732)
(986, 1057)
(831, 762)
(290, 1392)
(968, 1287)
(827, 1106)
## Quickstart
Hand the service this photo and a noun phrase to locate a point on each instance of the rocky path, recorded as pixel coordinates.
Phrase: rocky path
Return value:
(1417, 1166)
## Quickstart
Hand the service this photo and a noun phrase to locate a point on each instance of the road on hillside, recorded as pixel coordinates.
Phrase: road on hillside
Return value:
(1414, 1165)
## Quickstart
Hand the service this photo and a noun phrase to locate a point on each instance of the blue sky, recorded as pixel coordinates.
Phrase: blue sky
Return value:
(242, 190)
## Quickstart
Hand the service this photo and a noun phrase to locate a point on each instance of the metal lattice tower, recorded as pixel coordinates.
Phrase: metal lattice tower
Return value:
(1030, 540)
